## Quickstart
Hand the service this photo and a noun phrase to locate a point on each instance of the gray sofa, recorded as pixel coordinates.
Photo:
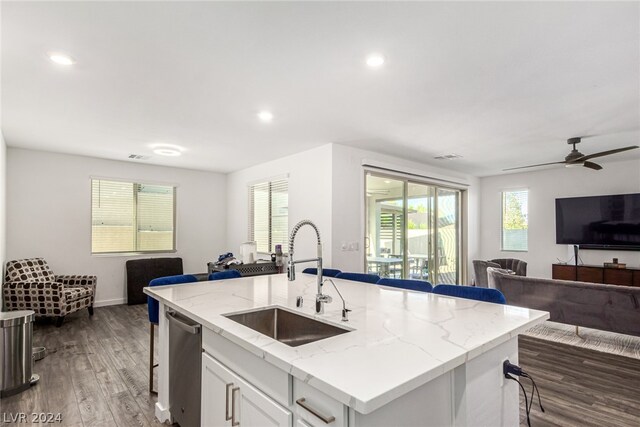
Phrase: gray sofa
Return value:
(612, 308)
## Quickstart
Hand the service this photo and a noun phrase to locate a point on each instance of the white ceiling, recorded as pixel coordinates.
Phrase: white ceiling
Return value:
(502, 84)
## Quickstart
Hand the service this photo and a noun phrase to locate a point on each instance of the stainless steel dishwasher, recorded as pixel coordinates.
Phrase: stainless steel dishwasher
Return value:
(185, 366)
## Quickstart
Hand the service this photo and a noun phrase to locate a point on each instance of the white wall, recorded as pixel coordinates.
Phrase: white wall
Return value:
(309, 198)
(3, 203)
(3, 183)
(544, 187)
(49, 214)
(326, 185)
(348, 200)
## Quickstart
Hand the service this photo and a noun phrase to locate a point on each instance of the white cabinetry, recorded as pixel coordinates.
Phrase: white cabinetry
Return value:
(238, 386)
(228, 400)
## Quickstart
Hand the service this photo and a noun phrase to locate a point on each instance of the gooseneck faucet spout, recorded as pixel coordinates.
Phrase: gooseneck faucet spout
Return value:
(291, 264)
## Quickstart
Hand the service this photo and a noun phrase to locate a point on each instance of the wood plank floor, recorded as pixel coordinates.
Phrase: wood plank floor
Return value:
(580, 387)
(95, 374)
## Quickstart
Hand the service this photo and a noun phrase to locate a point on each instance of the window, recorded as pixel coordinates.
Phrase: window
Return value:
(515, 222)
(269, 215)
(131, 217)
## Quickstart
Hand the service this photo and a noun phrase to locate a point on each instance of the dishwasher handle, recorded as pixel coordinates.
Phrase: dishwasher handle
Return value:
(192, 329)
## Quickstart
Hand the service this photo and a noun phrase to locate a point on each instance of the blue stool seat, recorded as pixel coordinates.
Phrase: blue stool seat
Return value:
(471, 292)
(328, 272)
(413, 285)
(152, 304)
(227, 274)
(359, 277)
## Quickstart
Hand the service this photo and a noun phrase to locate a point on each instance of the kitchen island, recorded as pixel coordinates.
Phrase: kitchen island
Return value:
(407, 358)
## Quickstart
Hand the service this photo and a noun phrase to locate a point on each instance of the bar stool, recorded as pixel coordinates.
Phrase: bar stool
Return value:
(153, 308)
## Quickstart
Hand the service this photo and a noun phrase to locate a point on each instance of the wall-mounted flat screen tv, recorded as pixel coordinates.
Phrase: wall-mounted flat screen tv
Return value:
(599, 222)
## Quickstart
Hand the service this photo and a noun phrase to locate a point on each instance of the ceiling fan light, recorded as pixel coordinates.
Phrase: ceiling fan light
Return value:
(572, 165)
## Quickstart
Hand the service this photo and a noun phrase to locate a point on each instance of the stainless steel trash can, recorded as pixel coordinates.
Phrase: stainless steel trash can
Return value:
(16, 360)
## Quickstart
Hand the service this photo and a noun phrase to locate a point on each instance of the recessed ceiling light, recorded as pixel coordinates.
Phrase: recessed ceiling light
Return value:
(61, 58)
(375, 60)
(386, 181)
(265, 116)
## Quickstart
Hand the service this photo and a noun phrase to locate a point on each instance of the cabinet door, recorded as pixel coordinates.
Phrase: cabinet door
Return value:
(258, 410)
(226, 397)
(217, 384)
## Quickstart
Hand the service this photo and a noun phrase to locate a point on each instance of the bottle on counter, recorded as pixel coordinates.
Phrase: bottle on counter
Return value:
(279, 262)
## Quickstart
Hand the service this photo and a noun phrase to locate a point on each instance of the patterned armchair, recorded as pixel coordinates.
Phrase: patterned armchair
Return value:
(29, 284)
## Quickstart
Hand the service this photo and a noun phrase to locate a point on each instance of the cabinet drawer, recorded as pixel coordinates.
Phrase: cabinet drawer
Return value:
(590, 274)
(618, 276)
(263, 375)
(313, 406)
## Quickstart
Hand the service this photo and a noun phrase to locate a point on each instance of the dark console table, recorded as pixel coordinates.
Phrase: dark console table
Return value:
(597, 274)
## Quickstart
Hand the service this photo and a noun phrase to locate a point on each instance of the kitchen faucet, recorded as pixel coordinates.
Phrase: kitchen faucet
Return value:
(345, 310)
(291, 264)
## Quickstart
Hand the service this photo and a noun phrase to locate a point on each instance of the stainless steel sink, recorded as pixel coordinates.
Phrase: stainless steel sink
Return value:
(287, 327)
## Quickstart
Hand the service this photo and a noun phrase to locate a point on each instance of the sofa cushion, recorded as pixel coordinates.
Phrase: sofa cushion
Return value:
(28, 270)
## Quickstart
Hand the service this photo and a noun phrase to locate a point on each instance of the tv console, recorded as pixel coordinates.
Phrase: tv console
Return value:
(597, 274)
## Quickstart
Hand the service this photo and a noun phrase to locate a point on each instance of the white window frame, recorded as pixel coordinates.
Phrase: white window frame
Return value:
(251, 213)
(134, 182)
(502, 201)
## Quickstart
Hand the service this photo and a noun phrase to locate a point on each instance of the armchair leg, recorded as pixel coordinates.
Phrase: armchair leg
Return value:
(91, 310)
(59, 321)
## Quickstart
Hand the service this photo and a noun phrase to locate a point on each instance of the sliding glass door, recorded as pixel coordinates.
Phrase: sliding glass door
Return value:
(447, 260)
(385, 238)
(412, 230)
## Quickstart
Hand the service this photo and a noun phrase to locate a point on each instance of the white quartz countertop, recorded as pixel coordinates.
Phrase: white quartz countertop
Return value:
(400, 339)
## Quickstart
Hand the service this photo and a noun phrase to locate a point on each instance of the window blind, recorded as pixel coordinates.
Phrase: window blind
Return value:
(269, 214)
(515, 223)
(131, 217)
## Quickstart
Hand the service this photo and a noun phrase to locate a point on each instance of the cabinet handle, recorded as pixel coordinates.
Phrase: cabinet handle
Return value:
(227, 417)
(326, 419)
(234, 423)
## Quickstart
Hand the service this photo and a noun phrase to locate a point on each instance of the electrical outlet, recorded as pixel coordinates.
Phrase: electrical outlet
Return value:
(502, 378)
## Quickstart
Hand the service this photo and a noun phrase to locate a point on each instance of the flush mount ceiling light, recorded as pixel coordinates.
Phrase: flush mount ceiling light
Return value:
(375, 60)
(451, 156)
(170, 152)
(167, 150)
(265, 116)
(61, 58)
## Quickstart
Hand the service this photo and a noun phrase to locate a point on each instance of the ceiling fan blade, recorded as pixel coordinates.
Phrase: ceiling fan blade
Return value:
(604, 153)
(592, 165)
(535, 166)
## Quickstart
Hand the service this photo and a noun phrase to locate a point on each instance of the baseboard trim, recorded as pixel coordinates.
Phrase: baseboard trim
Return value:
(162, 414)
(106, 302)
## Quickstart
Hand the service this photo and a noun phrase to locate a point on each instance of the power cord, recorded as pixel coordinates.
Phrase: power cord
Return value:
(526, 401)
(509, 369)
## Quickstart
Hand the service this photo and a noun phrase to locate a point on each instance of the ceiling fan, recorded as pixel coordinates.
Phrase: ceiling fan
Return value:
(576, 158)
